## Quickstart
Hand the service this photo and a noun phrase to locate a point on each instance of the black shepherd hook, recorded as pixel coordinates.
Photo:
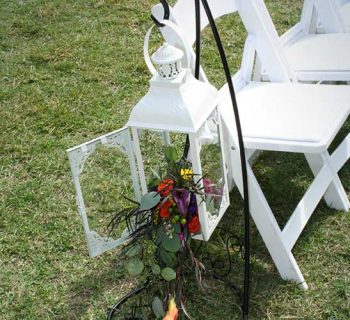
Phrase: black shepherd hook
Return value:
(166, 14)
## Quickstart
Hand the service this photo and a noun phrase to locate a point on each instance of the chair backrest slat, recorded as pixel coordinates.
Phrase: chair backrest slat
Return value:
(258, 23)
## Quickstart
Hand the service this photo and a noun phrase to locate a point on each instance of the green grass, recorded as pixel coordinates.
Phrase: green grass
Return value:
(71, 71)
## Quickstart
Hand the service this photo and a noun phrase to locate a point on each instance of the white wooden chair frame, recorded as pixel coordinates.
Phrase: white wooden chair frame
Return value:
(324, 166)
(320, 16)
(327, 11)
(334, 14)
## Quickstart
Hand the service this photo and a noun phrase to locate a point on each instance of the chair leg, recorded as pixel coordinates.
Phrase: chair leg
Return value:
(326, 184)
(335, 195)
(307, 206)
(267, 226)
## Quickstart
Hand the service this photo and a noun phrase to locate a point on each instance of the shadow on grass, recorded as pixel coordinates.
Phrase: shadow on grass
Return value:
(95, 289)
(217, 300)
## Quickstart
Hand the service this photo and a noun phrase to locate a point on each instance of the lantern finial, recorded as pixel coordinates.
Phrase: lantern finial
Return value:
(168, 61)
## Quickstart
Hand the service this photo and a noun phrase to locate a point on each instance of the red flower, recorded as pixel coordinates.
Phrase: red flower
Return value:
(165, 187)
(164, 209)
(194, 225)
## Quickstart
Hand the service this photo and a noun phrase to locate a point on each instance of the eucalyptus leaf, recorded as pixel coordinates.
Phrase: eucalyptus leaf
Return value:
(155, 269)
(160, 235)
(150, 200)
(177, 228)
(171, 244)
(168, 258)
(135, 267)
(134, 250)
(157, 307)
(168, 274)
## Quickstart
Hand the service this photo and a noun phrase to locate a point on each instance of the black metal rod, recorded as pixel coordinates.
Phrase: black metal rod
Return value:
(221, 50)
(198, 38)
(166, 14)
(124, 299)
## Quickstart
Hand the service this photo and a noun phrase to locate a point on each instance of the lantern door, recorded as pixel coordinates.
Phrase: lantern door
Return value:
(105, 175)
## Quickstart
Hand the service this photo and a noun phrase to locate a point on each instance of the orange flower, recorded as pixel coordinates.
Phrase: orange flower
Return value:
(194, 225)
(164, 209)
(173, 312)
(165, 187)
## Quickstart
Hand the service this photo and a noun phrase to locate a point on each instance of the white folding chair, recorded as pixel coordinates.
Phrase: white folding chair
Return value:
(340, 10)
(277, 116)
(319, 57)
(322, 16)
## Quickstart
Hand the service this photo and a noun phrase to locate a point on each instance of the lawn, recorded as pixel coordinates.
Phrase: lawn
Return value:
(71, 71)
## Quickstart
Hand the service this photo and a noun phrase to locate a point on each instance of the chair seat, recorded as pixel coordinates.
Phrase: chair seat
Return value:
(320, 53)
(290, 117)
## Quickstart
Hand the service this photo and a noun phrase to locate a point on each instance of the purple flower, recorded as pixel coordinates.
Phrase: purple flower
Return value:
(192, 209)
(193, 199)
(182, 199)
(181, 236)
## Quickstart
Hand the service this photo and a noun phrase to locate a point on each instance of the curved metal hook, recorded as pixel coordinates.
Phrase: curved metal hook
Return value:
(166, 14)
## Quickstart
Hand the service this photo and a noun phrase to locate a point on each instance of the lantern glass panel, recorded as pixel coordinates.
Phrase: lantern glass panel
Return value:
(212, 166)
(152, 145)
(104, 186)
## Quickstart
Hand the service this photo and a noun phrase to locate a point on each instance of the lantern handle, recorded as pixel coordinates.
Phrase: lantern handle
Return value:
(179, 37)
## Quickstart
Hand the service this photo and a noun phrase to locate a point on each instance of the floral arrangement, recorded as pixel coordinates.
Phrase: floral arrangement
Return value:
(161, 227)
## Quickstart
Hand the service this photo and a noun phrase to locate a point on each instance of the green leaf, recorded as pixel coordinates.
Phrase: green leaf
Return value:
(133, 251)
(168, 258)
(172, 244)
(168, 274)
(155, 179)
(150, 200)
(156, 174)
(177, 228)
(157, 307)
(135, 267)
(171, 154)
(160, 235)
(155, 269)
(209, 202)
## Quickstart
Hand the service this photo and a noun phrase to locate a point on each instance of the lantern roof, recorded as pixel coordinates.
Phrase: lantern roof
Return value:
(181, 105)
(167, 54)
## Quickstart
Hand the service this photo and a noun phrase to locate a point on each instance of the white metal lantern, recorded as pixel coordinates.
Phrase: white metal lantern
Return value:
(180, 104)
(176, 105)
